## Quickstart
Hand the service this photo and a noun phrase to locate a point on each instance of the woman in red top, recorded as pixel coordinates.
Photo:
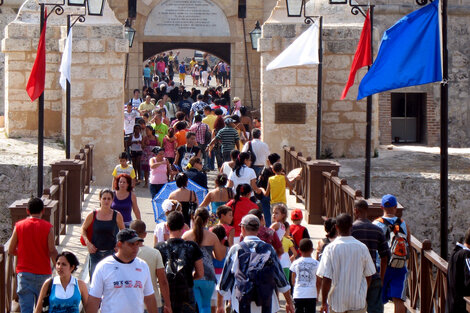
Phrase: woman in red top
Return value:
(241, 205)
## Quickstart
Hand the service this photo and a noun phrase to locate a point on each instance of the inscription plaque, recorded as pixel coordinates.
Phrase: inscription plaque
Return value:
(192, 18)
(290, 113)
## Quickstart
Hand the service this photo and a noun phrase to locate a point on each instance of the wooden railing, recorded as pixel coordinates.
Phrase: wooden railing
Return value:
(427, 280)
(7, 279)
(57, 202)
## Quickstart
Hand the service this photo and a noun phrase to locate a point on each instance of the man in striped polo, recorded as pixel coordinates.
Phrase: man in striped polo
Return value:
(346, 268)
(228, 138)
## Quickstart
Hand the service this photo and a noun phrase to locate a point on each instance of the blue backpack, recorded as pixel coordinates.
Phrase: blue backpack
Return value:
(254, 279)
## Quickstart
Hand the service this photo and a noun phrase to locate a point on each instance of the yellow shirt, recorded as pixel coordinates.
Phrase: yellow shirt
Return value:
(144, 106)
(286, 244)
(210, 120)
(129, 170)
(277, 185)
(191, 64)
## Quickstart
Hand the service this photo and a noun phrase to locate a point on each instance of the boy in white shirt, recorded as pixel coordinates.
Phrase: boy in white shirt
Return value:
(306, 285)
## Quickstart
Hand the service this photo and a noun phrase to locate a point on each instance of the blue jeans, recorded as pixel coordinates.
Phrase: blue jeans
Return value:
(95, 258)
(266, 205)
(29, 286)
(147, 81)
(203, 290)
(258, 169)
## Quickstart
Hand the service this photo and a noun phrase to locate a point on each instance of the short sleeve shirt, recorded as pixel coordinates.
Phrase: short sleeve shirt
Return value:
(121, 286)
(188, 249)
(347, 262)
(129, 170)
(154, 261)
(305, 270)
(228, 137)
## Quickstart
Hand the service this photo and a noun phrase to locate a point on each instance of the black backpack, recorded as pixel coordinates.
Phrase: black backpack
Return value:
(254, 279)
(252, 154)
(175, 274)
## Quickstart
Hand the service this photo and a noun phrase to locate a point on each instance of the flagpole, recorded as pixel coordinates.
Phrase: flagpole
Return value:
(319, 88)
(444, 136)
(369, 113)
(67, 105)
(41, 125)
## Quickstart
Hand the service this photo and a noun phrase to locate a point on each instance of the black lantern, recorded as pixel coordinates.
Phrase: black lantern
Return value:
(294, 8)
(130, 33)
(338, 1)
(255, 34)
(95, 7)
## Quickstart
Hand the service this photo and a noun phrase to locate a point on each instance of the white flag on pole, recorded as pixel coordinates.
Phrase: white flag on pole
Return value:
(66, 62)
(304, 50)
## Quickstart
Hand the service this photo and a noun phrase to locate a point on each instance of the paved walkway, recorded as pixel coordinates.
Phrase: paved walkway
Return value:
(71, 240)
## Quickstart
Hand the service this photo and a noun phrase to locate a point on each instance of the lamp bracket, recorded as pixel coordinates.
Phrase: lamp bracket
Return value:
(58, 9)
(358, 8)
(80, 18)
(310, 19)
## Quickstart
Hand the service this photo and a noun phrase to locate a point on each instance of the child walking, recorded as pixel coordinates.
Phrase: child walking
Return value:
(306, 285)
(241, 205)
(279, 226)
(277, 185)
(123, 168)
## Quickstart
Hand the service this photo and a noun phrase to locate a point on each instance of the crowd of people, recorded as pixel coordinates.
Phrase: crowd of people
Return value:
(236, 249)
(162, 68)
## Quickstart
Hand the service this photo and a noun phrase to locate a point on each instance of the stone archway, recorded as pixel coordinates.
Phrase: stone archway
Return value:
(206, 25)
(220, 50)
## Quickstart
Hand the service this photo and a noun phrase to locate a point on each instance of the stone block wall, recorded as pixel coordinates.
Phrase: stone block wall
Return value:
(7, 14)
(19, 47)
(386, 14)
(343, 122)
(97, 86)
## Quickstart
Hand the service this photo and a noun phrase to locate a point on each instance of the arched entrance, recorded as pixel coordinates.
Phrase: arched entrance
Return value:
(212, 26)
(220, 50)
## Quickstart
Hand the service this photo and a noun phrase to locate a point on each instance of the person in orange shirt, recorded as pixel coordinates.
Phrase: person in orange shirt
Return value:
(180, 135)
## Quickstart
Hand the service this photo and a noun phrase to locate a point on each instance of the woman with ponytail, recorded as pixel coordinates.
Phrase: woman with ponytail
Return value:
(243, 174)
(210, 246)
(241, 205)
(217, 197)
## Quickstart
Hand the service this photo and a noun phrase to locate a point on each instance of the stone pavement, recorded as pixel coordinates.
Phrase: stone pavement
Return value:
(71, 240)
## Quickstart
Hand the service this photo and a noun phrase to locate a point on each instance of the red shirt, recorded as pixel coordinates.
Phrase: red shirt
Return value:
(33, 249)
(243, 206)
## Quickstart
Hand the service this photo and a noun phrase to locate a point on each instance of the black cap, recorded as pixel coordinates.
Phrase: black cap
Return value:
(128, 235)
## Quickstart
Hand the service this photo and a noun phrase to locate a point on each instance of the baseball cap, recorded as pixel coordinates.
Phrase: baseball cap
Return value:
(389, 201)
(296, 215)
(250, 220)
(128, 235)
(228, 120)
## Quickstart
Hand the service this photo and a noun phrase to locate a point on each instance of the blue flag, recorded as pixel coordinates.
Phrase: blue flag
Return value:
(409, 55)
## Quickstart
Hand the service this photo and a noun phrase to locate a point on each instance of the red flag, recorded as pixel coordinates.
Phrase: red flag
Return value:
(362, 56)
(37, 78)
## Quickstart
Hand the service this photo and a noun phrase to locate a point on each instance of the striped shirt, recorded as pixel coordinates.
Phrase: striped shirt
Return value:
(373, 237)
(347, 262)
(228, 137)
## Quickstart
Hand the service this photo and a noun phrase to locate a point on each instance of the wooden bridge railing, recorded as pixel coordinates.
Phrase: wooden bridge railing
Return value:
(427, 280)
(62, 207)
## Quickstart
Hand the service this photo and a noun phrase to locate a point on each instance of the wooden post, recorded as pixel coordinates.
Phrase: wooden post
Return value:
(425, 284)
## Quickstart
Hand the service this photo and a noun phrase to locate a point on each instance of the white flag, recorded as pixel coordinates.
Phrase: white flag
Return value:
(66, 63)
(304, 50)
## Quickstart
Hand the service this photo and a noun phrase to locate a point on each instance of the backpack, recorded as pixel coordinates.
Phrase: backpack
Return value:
(175, 274)
(252, 154)
(254, 279)
(398, 243)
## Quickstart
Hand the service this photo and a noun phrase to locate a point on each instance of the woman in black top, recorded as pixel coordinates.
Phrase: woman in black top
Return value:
(184, 196)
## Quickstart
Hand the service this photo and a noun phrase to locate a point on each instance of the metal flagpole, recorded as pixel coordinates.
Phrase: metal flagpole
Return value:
(319, 87)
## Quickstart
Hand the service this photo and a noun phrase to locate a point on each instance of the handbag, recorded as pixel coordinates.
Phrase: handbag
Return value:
(45, 300)
(192, 205)
(89, 231)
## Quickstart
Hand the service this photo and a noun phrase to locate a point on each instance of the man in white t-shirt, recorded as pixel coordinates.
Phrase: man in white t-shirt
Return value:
(129, 119)
(259, 149)
(121, 282)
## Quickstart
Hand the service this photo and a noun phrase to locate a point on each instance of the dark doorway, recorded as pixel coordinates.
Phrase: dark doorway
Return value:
(220, 50)
(408, 117)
